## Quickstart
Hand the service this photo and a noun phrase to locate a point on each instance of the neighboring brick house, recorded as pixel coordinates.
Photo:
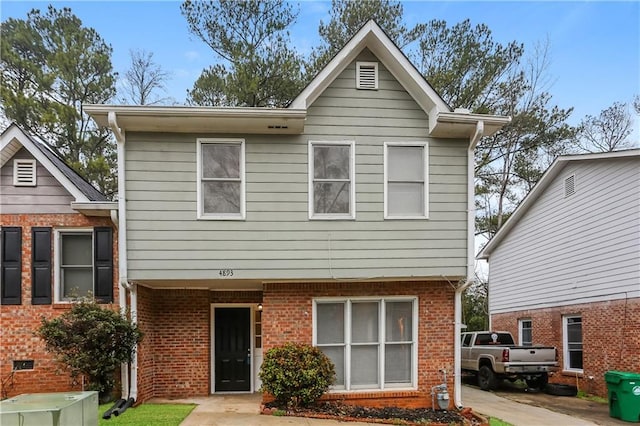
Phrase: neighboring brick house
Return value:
(564, 270)
(343, 221)
(57, 241)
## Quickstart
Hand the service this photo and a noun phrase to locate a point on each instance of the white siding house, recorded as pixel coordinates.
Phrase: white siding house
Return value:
(565, 267)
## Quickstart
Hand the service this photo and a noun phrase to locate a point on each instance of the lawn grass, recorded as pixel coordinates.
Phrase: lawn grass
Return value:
(147, 414)
(594, 398)
(493, 421)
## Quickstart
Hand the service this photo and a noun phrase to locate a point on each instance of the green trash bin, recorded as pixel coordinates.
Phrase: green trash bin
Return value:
(623, 389)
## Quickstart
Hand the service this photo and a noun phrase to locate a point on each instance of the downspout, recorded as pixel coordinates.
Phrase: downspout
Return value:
(122, 238)
(471, 222)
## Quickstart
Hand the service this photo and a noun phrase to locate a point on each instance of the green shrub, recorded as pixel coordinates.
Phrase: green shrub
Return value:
(92, 341)
(296, 374)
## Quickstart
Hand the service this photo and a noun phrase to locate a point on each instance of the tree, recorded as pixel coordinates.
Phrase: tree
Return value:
(144, 79)
(609, 131)
(475, 306)
(347, 17)
(464, 64)
(51, 64)
(511, 162)
(91, 341)
(257, 66)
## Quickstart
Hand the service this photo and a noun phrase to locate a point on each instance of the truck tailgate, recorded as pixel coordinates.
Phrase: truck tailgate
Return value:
(532, 355)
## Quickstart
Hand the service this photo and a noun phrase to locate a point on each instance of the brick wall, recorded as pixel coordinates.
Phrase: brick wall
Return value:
(287, 318)
(18, 322)
(174, 356)
(610, 338)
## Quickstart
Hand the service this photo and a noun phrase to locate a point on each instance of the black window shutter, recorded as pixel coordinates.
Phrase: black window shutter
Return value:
(40, 266)
(103, 264)
(11, 278)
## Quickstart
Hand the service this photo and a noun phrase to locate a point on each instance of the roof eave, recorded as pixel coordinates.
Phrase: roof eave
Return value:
(95, 208)
(462, 123)
(201, 119)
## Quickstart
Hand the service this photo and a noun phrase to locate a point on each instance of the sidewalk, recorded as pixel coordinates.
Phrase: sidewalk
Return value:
(489, 404)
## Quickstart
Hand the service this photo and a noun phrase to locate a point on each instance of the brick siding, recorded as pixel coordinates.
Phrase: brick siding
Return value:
(19, 322)
(610, 338)
(174, 357)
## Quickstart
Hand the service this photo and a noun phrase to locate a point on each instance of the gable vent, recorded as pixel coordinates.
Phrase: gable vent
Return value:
(24, 172)
(367, 75)
(570, 186)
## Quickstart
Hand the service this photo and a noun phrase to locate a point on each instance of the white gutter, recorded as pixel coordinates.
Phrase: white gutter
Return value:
(122, 242)
(133, 389)
(471, 217)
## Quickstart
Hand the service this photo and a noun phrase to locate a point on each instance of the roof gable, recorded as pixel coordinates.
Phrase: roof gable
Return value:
(547, 179)
(14, 138)
(373, 37)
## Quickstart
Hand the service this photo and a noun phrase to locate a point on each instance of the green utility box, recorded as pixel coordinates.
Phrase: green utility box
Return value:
(623, 389)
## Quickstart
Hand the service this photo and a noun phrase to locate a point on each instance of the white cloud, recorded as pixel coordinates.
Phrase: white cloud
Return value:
(192, 55)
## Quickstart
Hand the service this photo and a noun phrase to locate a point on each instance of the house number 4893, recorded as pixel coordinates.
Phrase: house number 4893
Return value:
(225, 272)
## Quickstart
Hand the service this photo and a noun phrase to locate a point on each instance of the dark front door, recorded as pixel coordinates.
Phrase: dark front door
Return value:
(232, 351)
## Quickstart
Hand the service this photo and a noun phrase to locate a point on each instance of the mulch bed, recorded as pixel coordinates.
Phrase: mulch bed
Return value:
(387, 415)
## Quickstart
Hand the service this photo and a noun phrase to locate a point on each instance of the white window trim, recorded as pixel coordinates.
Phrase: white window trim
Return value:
(375, 71)
(565, 345)
(352, 177)
(199, 203)
(381, 331)
(34, 173)
(520, 328)
(425, 146)
(57, 248)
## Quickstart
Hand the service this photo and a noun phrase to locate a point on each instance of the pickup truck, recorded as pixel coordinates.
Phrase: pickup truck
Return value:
(493, 356)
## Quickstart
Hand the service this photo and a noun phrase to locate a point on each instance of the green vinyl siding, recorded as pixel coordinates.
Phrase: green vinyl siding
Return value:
(277, 240)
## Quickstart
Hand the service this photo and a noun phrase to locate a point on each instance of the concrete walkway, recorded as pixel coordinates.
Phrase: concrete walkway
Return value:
(243, 410)
(489, 404)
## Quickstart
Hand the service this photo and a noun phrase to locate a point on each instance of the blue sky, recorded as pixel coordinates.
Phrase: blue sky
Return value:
(594, 46)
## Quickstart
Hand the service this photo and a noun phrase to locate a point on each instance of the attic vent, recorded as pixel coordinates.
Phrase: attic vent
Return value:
(570, 186)
(367, 75)
(24, 172)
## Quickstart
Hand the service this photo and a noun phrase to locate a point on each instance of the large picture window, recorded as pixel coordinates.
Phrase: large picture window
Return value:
(572, 342)
(331, 180)
(405, 180)
(221, 182)
(372, 342)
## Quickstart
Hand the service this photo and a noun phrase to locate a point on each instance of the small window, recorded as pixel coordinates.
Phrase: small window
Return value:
(405, 180)
(23, 364)
(367, 75)
(526, 332)
(24, 172)
(572, 343)
(331, 180)
(466, 340)
(372, 342)
(570, 186)
(221, 179)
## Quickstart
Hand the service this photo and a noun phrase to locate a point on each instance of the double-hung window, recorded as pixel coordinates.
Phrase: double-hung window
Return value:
(572, 343)
(331, 180)
(406, 180)
(371, 341)
(525, 327)
(221, 179)
(84, 264)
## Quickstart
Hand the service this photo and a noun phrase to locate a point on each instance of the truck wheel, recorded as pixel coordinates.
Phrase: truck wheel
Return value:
(486, 378)
(538, 382)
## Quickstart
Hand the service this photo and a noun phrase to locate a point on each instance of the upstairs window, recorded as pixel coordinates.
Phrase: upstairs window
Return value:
(367, 75)
(405, 180)
(331, 180)
(221, 179)
(24, 172)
